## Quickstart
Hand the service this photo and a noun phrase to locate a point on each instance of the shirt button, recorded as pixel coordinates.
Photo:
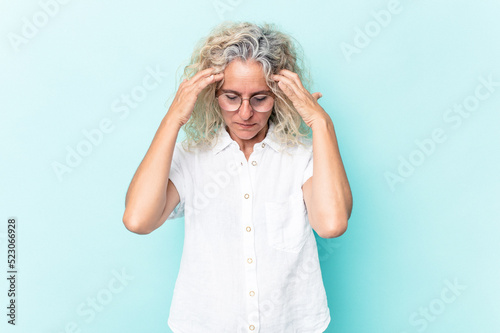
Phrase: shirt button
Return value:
(248, 229)
(241, 163)
(251, 327)
(247, 196)
(252, 293)
(263, 145)
(249, 260)
(254, 163)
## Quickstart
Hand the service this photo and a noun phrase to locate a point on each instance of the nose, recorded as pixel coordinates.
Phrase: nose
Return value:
(245, 110)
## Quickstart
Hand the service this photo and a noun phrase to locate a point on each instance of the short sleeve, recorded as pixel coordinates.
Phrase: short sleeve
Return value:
(177, 176)
(308, 172)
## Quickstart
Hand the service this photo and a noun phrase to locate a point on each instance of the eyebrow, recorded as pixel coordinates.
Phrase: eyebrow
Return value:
(238, 93)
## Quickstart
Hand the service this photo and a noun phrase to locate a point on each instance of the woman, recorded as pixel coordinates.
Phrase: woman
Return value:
(243, 181)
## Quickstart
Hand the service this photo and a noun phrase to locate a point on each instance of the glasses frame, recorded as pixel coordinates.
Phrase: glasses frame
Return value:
(268, 93)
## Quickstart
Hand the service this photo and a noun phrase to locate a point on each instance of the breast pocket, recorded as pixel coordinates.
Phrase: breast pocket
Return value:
(287, 224)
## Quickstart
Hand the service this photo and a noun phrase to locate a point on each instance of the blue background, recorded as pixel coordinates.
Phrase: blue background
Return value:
(406, 243)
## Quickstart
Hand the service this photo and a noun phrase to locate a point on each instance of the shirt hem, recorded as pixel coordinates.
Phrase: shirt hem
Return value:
(325, 326)
(173, 328)
(322, 329)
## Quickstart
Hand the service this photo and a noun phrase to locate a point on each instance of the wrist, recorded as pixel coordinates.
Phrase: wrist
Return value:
(323, 120)
(172, 121)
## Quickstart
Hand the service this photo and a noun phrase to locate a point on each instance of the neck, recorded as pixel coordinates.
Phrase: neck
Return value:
(247, 145)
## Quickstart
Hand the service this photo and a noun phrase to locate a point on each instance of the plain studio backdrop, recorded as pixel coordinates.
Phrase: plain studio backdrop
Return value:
(413, 89)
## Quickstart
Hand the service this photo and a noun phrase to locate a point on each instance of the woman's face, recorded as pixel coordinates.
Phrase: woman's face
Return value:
(246, 78)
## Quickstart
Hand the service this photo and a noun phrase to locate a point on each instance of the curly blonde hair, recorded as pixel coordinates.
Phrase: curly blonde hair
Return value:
(265, 44)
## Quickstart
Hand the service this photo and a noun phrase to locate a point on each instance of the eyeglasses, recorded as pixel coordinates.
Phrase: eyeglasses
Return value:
(260, 102)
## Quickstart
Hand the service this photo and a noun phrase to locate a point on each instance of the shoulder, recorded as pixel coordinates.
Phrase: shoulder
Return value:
(185, 148)
(185, 151)
(298, 150)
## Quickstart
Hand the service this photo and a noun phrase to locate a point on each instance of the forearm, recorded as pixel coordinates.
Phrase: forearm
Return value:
(146, 195)
(332, 198)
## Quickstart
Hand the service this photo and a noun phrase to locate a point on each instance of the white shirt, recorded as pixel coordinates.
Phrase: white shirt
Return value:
(250, 258)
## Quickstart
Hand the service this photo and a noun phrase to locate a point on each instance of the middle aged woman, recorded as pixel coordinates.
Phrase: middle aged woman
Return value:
(248, 185)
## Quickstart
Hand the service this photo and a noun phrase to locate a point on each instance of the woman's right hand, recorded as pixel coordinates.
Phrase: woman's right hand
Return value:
(183, 104)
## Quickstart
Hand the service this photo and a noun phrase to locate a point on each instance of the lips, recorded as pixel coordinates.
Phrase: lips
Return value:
(245, 125)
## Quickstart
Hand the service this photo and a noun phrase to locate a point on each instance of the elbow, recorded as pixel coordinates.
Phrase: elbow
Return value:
(334, 227)
(134, 225)
(335, 222)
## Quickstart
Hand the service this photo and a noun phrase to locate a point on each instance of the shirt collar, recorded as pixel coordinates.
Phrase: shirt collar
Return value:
(224, 139)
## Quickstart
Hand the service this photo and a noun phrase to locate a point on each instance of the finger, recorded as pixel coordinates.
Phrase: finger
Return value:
(292, 76)
(317, 95)
(205, 81)
(213, 78)
(289, 83)
(218, 76)
(202, 74)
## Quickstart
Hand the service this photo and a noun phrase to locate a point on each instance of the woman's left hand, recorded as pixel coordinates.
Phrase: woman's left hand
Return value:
(306, 103)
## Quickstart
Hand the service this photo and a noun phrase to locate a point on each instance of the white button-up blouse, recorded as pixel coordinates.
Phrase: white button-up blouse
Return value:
(250, 258)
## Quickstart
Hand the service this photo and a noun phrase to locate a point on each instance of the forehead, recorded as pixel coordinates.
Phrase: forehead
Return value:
(244, 76)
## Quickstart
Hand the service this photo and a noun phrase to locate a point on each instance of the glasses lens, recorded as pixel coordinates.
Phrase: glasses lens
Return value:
(260, 103)
(229, 102)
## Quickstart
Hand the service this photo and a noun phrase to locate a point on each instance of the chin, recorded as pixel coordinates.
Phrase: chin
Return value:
(246, 134)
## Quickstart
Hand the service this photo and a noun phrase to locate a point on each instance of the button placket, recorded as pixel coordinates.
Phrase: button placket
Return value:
(251, 288)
